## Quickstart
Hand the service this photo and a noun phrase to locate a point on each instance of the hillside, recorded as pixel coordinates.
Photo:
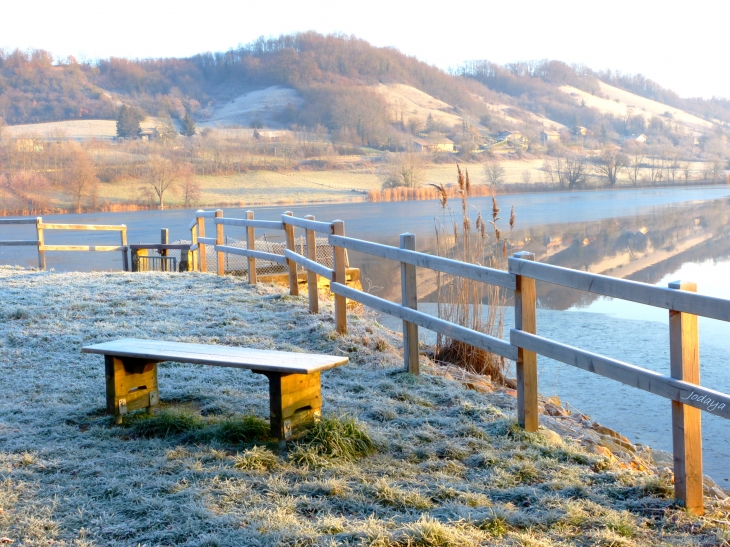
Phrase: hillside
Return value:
(347, 86)
(285, 108)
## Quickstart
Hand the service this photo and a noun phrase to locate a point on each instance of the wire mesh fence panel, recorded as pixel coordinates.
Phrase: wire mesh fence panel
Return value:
(238, 265)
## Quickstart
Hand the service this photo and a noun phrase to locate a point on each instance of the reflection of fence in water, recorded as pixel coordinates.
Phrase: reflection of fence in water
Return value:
(238, 265)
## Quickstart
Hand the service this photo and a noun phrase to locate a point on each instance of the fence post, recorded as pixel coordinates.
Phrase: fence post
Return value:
(219, 240)
(251, 246)
(125, 255)
(164, 240)
(684, 358)
(193, 240)
(41, 242)
(409, 299)
(293, 282)
(202, 260)
(338, 229)
(312, 276)
(525, 320)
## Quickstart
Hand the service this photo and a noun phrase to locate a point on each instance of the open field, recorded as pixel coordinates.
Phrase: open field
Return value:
(260, 106)
(444, 464)
(70, 129)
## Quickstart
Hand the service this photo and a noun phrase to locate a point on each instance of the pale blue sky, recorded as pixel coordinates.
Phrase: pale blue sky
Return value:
(682, 45)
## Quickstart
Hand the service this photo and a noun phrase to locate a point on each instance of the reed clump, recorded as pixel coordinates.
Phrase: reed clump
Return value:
(429, 191)
(472, 304)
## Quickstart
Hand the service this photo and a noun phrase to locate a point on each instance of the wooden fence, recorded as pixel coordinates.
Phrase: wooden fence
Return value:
(41, 228)
(681, 387)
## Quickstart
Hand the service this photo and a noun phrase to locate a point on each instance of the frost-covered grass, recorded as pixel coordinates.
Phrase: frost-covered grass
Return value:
(397, 460)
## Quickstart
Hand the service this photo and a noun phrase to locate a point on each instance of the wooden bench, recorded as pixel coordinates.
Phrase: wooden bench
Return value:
(294, 378)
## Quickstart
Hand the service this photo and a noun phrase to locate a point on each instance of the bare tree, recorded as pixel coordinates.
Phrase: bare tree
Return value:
(404, 169)
(673, 165)
(414, 124)
(526, 177)
(28, 190)
(494, 172)
(189, 186)
(713, 169)
(635, 154)
(612, 162)
(550, 169)
(81, 180)
(161, 176)
(686, 168)
(573, 169)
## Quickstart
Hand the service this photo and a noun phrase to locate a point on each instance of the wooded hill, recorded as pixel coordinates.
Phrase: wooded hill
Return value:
(336, 77)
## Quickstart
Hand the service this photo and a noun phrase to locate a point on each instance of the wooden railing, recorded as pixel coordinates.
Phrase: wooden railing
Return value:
(682, 387)
(41, 228)
(290, 258)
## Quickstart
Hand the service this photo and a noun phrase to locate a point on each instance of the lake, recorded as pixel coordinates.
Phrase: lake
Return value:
(650, 235)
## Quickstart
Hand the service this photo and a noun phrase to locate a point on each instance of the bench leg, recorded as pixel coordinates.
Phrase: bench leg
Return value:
(296, 400)
(131, 384)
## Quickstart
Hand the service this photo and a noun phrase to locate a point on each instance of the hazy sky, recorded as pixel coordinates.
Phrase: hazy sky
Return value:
(682, 45)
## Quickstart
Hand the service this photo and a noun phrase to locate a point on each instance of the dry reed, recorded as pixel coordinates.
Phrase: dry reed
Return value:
(466, 302)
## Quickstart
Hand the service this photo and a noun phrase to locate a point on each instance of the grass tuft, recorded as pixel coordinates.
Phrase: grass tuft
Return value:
(257, 458)
(334, 438)
(428, 532)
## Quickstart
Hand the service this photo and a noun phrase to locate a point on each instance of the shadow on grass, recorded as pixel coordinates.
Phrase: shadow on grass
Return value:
(188, 426)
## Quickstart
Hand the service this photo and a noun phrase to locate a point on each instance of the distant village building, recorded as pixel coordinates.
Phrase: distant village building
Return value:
(509, 136)
(638, 138)
(580, 130)
(440, 144)
(548, 136)
(149, 133)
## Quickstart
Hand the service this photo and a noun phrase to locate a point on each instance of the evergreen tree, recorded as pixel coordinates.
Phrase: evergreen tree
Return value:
(128, 121)
(188, 125)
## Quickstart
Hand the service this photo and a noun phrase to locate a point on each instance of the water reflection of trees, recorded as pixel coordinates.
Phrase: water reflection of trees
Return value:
(643, 248)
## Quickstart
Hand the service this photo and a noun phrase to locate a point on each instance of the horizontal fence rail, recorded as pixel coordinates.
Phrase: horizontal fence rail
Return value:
(314, 225)
(85, 227)
(18, 221)
(19, 243)
(312, 265)
(705, 399)
(161, 246)
(634, 291)
(436, 263)
(103, 248)
(469, 336)
(41, 246)
(266, 224)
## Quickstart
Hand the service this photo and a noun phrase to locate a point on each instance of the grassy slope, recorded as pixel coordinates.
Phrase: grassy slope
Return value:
(451, 469)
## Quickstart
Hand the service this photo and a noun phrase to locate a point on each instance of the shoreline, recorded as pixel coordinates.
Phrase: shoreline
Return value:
(509, 189)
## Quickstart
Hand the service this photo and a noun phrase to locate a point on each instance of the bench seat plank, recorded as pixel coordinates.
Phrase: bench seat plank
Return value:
(203, 354)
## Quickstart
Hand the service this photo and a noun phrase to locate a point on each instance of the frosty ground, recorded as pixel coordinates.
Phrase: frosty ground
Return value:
(437, 459)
